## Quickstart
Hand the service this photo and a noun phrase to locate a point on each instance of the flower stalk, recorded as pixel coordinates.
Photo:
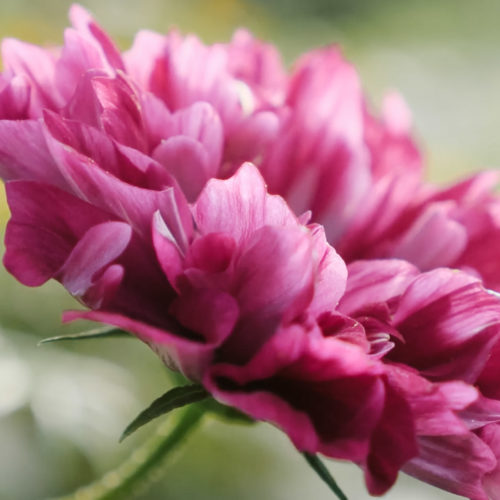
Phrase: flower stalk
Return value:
(138, 472)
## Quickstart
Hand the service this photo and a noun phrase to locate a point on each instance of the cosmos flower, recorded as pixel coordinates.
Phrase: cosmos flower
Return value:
(130, 181)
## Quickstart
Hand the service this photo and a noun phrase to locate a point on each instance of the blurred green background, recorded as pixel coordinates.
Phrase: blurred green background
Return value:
(62, 407)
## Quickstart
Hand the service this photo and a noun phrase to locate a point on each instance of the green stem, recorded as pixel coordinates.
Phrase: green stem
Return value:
(320, 469)
(139, 470)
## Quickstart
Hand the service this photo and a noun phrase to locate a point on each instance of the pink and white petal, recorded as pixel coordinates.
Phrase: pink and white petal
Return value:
(373, 281)
(252, 136)
(240, 205)
(86, 25)
(200, 122)
(78, 56)
(449, 323)
(140, 59)
(331, 274)
(482, 412)
(448, 237)
(187, 161)
(37, 65)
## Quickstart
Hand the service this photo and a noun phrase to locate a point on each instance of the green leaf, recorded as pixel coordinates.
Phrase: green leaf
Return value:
(227, 412)
(101, 332)
(175, 398)
(320, 469)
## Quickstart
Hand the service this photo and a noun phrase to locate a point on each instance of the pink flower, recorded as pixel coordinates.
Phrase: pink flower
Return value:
(438, 335)
(244, 262)
(173, 111)
(126, 184)
(233, 291)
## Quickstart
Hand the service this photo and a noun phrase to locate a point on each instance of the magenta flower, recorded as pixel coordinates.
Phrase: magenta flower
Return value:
(438, 335)
(172, 111)
(129, 181)
(262, 286)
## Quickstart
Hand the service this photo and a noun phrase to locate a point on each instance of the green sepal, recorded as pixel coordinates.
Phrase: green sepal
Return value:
(227, 412)
(94, 333)
(320, 469)
(172, 399)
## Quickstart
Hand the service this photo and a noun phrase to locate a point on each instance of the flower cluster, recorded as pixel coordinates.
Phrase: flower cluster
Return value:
(190, 194)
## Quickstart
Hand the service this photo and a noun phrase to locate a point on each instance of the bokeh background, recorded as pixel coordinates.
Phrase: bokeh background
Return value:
(63, 406)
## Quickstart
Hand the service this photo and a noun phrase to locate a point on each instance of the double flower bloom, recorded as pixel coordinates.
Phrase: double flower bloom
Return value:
(147, 183)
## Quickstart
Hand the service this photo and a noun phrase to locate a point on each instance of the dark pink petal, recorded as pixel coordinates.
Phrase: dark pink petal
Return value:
(488, 380)
(209, 313)
(343, 328)
(381, 217)
(490, 434)
(453, 463)
(39, 241)
(212, 253)
(14, 97)
(110, 104)
(191, 357)
(324, 393)
(121, 113)
(392, 444)
(24, 153)
(435, 406)
(273, 282)
(129, 203)
(103, 290)
(481, 253)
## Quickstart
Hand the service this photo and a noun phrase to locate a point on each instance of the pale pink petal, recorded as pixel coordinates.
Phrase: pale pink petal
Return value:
(373, 281)
(448, 237)
(100, 246)
(240, 205)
